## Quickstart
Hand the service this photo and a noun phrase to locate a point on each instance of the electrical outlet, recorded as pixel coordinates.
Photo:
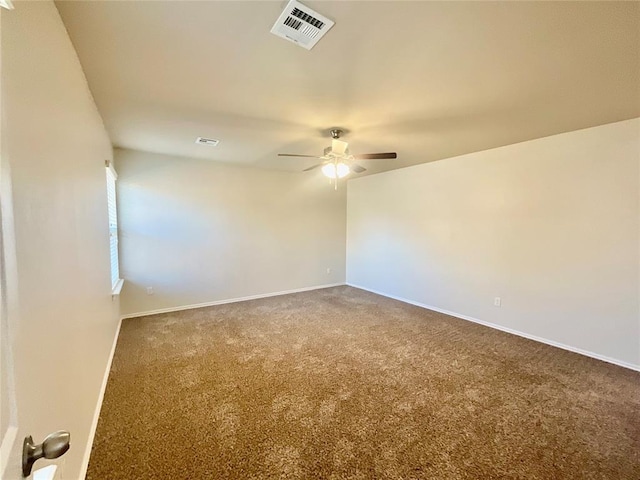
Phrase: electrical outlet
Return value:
(149, 290)
(328, 271)
(497, 302)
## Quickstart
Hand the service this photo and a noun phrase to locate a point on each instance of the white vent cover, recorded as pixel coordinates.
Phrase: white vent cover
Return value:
(207, 141)
(301, 25)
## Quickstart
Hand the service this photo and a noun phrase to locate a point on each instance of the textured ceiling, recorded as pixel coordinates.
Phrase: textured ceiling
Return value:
(429, 80)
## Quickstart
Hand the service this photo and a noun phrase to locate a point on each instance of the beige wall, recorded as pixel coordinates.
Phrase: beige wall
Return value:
(551, 226)
(55, 143)
(198, 231)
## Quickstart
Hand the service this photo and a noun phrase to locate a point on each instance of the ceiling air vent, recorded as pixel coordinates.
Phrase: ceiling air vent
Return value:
(207, 141)
(301, 25)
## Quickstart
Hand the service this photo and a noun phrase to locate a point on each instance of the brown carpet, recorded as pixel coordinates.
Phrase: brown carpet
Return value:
(344, 384)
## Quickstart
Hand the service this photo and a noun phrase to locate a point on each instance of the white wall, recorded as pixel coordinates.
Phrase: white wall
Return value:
(55, 143)
(197, 231)
(551, 226)
(8, 286)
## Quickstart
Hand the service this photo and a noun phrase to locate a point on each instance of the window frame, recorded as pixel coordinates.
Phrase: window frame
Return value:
(112, 212)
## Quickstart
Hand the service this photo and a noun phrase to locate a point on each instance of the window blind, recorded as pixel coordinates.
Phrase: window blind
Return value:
(113, 226)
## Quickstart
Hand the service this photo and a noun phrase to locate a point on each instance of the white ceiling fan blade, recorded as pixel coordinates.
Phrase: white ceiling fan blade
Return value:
(338, 147)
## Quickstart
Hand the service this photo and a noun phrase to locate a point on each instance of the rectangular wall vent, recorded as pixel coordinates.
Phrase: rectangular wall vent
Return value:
(207, 141)
(301, 25)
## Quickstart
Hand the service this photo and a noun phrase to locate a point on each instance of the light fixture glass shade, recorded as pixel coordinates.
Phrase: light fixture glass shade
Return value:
(332, 170)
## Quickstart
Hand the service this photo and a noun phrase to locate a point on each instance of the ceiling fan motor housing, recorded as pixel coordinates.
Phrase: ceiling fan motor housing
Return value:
(329, 150)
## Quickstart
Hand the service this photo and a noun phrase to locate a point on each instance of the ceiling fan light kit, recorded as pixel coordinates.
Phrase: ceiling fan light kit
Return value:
(336, 170)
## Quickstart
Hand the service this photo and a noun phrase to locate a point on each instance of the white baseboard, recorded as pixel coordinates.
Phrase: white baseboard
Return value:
(96, 414)
(229, 300)
(552, 343)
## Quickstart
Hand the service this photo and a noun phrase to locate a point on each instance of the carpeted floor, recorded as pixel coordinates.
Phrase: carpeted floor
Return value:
(344, 384)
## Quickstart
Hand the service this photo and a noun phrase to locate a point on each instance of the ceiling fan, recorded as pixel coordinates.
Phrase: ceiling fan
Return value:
(337, 162)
